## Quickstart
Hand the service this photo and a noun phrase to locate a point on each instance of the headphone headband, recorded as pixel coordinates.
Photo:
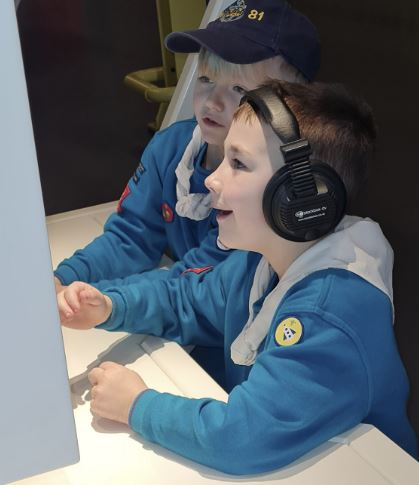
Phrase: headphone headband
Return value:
(275, 112)
(295, 150)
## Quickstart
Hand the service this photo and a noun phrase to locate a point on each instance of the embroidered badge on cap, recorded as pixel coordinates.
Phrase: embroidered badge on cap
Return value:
(234, 12)
(167, 212)
(124, 195)
(289, 332)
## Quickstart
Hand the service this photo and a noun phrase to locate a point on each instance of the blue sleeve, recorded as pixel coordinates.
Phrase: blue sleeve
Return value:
(206, 254)
(294, 399)
(134, 238)
(186, 310)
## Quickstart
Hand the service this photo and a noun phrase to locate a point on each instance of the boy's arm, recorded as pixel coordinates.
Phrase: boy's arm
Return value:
(134, 237)
(185, 309)
(294, 399)
(207, 254)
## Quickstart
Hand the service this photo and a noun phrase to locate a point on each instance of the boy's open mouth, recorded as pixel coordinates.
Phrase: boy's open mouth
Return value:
(210, 122)
(222, 214)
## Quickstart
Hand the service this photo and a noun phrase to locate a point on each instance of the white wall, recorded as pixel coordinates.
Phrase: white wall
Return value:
(37, 430)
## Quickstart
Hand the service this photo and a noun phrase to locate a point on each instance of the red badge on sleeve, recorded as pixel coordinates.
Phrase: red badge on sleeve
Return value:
(167, 212)
(197, 270)
(124, 195)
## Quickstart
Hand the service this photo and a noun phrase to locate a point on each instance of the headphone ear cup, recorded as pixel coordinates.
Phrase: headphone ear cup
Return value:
(309, 218)
(275, 197)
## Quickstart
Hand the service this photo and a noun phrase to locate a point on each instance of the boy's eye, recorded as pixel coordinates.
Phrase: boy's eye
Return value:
(204, 79)
(237, 164)
(239, 90)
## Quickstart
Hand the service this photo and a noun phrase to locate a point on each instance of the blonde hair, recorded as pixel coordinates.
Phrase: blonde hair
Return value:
(273, 68)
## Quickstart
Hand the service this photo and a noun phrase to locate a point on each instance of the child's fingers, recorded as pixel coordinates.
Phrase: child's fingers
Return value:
(91, 296)
(109, 365)
(94, 375)
(64, 308)
(72, 296)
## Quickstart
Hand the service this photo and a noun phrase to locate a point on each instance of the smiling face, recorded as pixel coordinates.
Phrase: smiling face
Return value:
(252, 155)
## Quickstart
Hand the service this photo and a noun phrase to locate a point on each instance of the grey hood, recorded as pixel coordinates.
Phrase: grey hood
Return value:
(357, 245)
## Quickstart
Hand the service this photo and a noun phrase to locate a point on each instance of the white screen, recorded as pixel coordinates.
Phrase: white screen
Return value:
(37, 431)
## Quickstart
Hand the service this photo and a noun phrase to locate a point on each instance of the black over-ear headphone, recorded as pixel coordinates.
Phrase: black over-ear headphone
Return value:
(302, 201)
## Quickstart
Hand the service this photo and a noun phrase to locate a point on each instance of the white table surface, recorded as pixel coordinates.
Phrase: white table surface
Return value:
(112, 454)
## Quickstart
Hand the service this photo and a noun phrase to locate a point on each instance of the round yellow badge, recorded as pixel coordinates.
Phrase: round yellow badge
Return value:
(289, 332)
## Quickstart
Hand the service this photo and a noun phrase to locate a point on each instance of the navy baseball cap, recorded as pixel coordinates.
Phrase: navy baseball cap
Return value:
(249, 31)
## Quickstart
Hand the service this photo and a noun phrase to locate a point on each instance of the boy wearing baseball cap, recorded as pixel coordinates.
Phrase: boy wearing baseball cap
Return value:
(302, 312)
(251, 31)
(165, 205)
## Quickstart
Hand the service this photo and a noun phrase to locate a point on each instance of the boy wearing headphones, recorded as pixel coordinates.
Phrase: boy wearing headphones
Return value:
(165, 204)
(303, 312)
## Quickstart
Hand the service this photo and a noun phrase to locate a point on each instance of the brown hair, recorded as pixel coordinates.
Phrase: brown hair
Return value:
(338, 125)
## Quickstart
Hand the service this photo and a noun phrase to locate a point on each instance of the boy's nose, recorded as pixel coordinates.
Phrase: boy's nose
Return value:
(212, 183)
(215, 100)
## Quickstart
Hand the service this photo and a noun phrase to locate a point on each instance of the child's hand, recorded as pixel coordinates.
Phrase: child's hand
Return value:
(58, 286)
(114, 389)
(82, 306)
